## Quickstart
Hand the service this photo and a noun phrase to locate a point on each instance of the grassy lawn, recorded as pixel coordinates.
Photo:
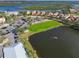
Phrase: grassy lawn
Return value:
(35, 28)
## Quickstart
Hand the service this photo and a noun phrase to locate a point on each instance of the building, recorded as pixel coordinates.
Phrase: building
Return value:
(15, 51)
(34, 13)
(28, 12)
(1, 51)
(2, 19)
(11, 38)
(4, 25)
(12, 13)
(73, 10)
(50, 14)
(38, 13)
(43, 13)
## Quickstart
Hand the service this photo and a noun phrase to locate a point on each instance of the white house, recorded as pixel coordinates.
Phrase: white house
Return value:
(73, 10)
(12, 13)
(43, 13)
(4, 25)
(28, 12)
(56, 13)
(2, 20)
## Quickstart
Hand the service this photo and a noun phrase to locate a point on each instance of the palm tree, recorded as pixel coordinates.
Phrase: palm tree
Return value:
(29, 21)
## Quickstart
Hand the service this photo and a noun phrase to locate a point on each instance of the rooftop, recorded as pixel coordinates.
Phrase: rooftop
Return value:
(16, 51)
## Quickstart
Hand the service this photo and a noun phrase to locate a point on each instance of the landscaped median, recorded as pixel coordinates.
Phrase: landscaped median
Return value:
(43, 26)
(36, 28)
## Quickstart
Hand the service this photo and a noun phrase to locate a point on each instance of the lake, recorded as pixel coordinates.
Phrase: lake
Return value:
(19, 6)
(61, 42)
(10, 8)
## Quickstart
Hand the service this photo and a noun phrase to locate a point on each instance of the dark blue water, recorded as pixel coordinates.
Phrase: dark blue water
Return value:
(61, 42)
(10, 8)
(33, 3)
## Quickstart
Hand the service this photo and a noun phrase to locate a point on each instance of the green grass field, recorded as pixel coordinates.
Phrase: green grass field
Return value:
(35, 28)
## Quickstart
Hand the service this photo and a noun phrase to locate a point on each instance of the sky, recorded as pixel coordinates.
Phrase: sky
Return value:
(39, 0)
(54, 0)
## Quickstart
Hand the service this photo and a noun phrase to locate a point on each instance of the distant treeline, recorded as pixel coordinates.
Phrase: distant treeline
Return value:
(50, 7)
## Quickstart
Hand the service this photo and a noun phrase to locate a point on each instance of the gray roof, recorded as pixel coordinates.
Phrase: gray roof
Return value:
(10, 28)
(18, 22)
(16, 51)
(24, 25)
(1, 51)
(10, 36)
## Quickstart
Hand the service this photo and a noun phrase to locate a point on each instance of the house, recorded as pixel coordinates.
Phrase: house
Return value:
(67, 16)
(56, 14)
(50, 14)
(11, 37)
(73, 10)
(12, 13)
(15, 51)
(4, 25)
(25, 25)
(18, 22)
(43, 13)
(2, 19)
(38, 13)
(28, 12)
(34, 13)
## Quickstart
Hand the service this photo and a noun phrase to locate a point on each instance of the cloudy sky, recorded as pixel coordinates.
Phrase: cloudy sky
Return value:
(39, 0)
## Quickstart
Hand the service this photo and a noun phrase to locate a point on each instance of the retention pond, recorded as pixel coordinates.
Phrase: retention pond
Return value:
(60, 42)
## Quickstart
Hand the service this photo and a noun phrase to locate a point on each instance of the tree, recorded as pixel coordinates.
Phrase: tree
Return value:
(23, 14)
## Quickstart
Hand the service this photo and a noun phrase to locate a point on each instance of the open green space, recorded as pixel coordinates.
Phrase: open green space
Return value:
(36, 28)
(39, 27)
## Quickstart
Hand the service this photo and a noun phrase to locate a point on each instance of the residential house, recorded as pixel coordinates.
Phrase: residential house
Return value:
(38, 13)
(4, 25)
(56, 14)
(28, 12)
(73, 10)
(18, 22)
(12, 13)
(2, 20)
(43, 13)
(34, 13)
(50, 14)
(11, 37)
